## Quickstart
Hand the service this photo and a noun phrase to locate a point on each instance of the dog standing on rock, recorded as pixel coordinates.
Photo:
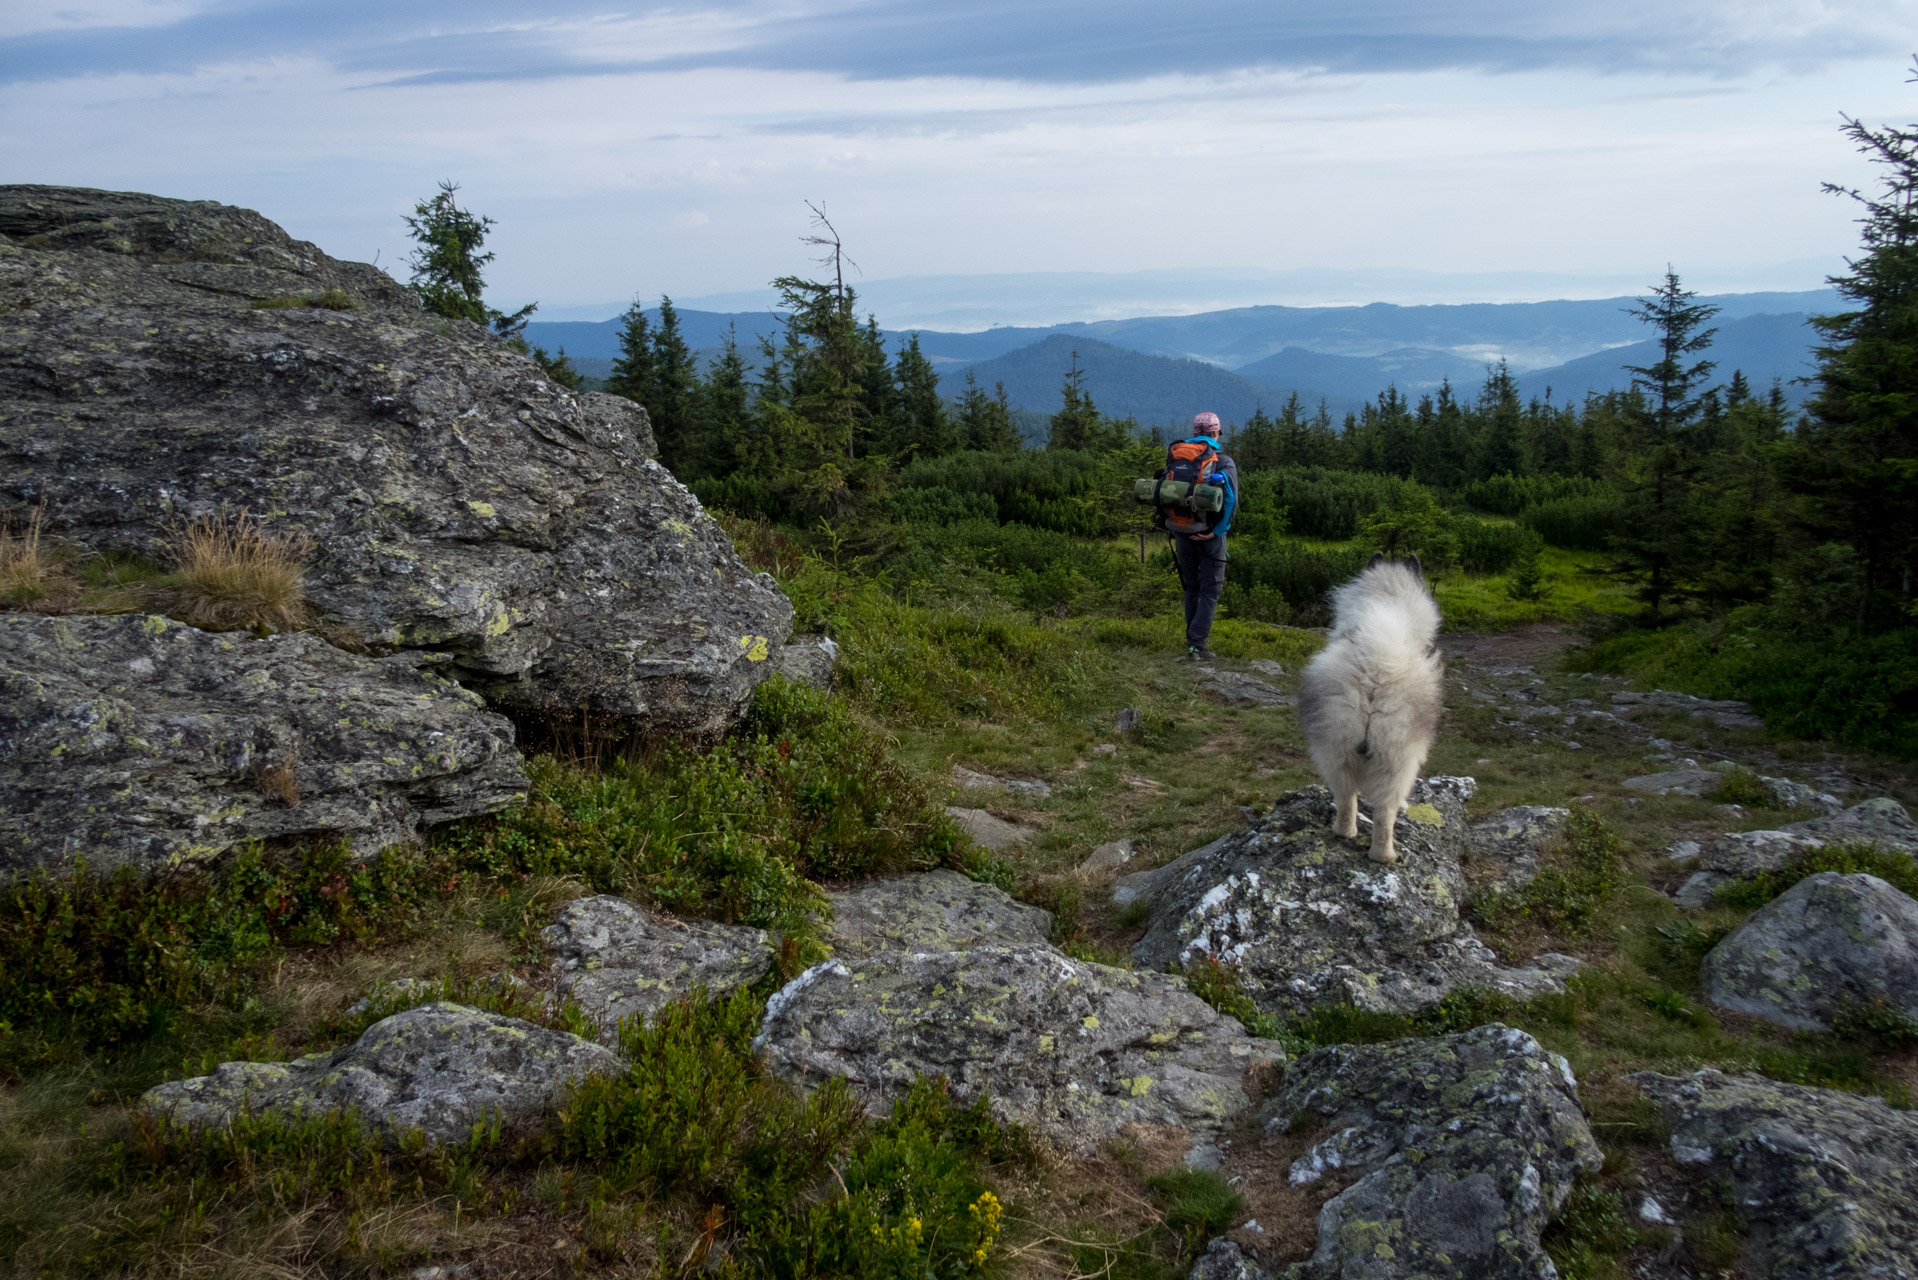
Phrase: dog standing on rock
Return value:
(1369, 701)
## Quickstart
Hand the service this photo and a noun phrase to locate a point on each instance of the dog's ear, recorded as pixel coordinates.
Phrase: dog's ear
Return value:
(1418, 570)
(1378, 558)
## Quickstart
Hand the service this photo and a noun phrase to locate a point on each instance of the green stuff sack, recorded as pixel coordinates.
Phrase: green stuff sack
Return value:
(1178, 493)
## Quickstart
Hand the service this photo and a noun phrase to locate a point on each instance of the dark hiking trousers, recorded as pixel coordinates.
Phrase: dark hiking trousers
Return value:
(1202, 574)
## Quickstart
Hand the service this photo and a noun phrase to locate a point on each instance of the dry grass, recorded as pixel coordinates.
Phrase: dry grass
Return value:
(232, 574)
(31, 576)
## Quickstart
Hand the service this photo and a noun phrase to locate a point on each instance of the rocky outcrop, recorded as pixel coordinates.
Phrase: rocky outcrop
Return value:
(1075, 1050)
(1236, 689)
(1462, 1148)
(1825, 1179)
(1309, 919)
(988, 830)
(931, 911)
(1724, 713)
(439, 1069)
(161, 359)
(1513, 840)
(135, 741)
(1740, 855)
(1828, 942)
(1677, 782)
(808, 660)
(617, 960)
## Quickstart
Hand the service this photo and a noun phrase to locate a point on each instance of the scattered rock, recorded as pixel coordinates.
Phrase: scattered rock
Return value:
(1464, 1146)
(1109, 857)
(1725, 714)
(1740, 855)
(1073, 1049)
(440, 1069)
(931, 911)
(808, 660)
(1106, 749)
(1267, 667)
(1235, 688)
(1515, 839)
(1653, 1213)
(1683, 850)
(1309, 919)
(972, 779)
(617, 960)
(1828, 941)
(136, 741)
(1682, 782)
(1826, 1179)
(1786, 794)
(458, 499)
(990, 832)
(1224, 1260)
(1128, 720)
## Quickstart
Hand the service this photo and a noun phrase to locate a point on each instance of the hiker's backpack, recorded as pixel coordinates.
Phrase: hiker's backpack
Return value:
(1189, 493)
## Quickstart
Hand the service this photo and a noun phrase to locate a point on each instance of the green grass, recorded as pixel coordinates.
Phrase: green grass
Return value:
(1572, 585)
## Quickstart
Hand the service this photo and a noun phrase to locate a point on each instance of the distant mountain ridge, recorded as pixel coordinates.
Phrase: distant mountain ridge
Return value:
(1161, 368)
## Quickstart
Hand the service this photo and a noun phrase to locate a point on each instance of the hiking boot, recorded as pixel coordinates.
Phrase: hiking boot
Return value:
(1194, 653)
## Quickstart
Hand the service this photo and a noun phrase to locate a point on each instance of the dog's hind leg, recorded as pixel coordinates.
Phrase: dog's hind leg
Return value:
(1346, 818)
(1390, 792)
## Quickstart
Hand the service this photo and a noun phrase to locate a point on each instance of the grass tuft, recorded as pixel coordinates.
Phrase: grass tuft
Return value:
(30, 575)
(231, 574)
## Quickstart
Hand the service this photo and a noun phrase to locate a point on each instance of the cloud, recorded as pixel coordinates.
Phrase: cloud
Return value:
(1072, 42)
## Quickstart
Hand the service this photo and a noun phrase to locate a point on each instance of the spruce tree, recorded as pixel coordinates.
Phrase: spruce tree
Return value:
(632, 374)
(985, 422)
(926, 427)
(1077, 424)
(722, 416)
(447, 266)
(1855, 462)
(1661, 453)
(1501, 445)
(675, 379)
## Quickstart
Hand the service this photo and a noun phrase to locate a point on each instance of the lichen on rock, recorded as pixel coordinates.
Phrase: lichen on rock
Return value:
(931, 911)
(135, 741)
(1463, 1147)
(458, 499)
(617, 960)
(1073, 1049)
(1826, 1179)
(1308, 919)
(1828, 942)
(1740, 855)
(439, 1069)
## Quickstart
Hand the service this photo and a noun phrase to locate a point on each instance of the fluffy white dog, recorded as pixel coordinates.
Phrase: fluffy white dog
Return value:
(1370, 699)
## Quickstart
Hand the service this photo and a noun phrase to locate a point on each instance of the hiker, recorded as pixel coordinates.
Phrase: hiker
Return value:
(1198, 537)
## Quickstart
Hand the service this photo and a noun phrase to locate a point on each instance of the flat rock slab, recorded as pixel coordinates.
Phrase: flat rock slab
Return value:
(1826, 1179)
(1829, 941)
(971, 780)
(137, 741)
(932, 911)
(1236, 689)
(459, 500)
(1677, 782)
(1724, 713)
(1515, 839)
(1073, 1049)
(439, 1069)
(1740, 855)
(1109, 857)
(1464, 1146)
(989, 831)
(617, 960)
(1309, 919)
(808, 660)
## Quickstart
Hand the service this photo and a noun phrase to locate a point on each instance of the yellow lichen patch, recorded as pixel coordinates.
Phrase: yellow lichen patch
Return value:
(679, 527)
(498, 624)
(1091, 1022)
(1138, 1085)
(755, 647)
(154, 624)
(484, 510)
(1426, 814)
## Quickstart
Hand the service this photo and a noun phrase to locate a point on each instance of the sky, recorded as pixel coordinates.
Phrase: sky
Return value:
(1309, 151)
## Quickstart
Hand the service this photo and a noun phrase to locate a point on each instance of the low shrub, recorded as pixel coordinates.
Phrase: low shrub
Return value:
(1491, 548)
(1296, 572)
(1575, 879)
(1591, 1235)
(1320, 502)
(1583, 522)
(1739, 785)
(1897, 869)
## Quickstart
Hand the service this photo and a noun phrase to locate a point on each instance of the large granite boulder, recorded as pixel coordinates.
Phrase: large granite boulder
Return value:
(931, 911)
(135, 741)
(1073, 1049)
(617, 960)
(1740, 855)
(159, 364)
(1828, 942)
(1825, 1179)
(1462, 1148)
(1309, 919)
(439, 1068)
